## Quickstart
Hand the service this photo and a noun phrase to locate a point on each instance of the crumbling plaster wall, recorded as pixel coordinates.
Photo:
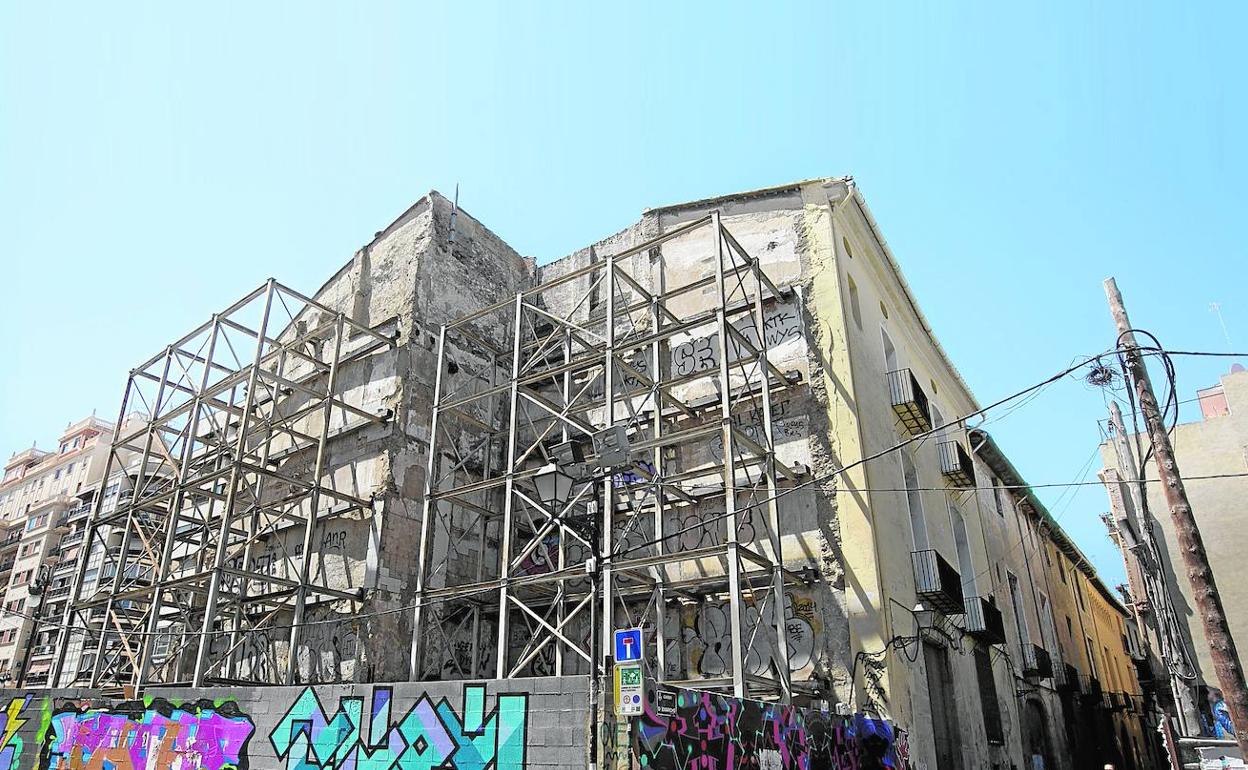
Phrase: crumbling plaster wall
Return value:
(409, 280)
(776, 228)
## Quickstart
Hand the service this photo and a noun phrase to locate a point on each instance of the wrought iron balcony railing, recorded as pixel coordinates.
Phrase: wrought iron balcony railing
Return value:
(937, 583)
(909, 401)
(955, 464)
(984, 621)
(1037, 663)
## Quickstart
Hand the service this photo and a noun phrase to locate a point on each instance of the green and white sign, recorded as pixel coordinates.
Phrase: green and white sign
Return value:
(630, 695)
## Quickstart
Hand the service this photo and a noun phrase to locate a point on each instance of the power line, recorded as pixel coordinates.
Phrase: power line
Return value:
(917, 438)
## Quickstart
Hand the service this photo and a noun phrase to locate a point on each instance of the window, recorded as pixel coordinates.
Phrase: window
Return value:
(988, 701)
(855, 307)
(1091, 650)
(1061, 568)
(963, 545)
(75, 444)
(845, 244)
(914, 502)
(890, 352)
(1079, 595)
(64, 448)
(996, 496)
(1016, 601)
(1070, 630)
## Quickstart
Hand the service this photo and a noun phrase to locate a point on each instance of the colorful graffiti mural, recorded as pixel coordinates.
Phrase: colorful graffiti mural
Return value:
(10, 723)
(716, 732)
(427, 736)
(137, 735)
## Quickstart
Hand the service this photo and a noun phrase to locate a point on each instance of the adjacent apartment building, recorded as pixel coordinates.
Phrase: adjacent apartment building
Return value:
(911, 574)
(45, 498)
(1159, 592)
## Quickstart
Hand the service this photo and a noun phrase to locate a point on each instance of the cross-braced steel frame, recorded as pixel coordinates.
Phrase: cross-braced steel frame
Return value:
(518, 578)
(231, 459)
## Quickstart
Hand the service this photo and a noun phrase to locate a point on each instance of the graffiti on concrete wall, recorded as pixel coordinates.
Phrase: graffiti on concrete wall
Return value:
(704, 630)
(137, 735)
(428, 735)
(716, 732)
(781, 323)
(11, 721)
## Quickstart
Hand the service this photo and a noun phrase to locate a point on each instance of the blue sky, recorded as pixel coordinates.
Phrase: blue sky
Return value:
(156, 162)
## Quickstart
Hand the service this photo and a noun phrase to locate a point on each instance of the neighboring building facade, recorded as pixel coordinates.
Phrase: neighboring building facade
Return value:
(1161, 595)
(45, 497)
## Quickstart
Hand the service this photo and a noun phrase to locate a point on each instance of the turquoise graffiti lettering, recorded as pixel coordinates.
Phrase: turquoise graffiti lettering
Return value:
(428, 736)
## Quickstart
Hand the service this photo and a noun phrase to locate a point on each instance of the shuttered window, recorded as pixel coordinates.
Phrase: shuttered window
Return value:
(988, 697)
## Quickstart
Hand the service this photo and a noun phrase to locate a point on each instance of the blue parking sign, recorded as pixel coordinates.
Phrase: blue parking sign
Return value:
(627, 645)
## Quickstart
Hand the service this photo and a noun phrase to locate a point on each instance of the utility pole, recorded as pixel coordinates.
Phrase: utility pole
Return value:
(1195, 561)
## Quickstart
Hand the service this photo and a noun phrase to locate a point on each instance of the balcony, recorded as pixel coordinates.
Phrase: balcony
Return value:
(955, 464)
(909, 401)
(1090, 688)
(43, 650)
(72, 538)
(1037, 664)
(937, 583)
(1066, 677)
(1115, 701)
(984, 621)
(58, 592)
(11, 539)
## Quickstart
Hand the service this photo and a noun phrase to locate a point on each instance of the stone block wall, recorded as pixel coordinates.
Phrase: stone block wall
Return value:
(519, 724)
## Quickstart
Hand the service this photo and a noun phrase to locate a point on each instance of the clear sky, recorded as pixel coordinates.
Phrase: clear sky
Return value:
(156, 162)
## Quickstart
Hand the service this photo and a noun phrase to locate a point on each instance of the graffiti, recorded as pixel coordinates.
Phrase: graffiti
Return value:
(705, 629)
(11, 745)
(428, 736)
(134, 736)
(781, 323)
(716, 732)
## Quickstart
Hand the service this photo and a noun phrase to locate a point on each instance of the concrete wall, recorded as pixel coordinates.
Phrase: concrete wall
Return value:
(705, 730)
(521, 724)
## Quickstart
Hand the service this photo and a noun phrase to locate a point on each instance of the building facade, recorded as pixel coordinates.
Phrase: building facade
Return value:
(895, 566)
(1215, 446)
(45, 497)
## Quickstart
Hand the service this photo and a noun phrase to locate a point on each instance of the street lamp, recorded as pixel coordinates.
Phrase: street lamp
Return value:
(554, 487)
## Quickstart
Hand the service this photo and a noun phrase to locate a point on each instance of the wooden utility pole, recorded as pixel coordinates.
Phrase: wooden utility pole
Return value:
(1195, 561)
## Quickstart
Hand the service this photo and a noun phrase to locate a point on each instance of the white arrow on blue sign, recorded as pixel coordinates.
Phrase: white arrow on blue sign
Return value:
(627, 645)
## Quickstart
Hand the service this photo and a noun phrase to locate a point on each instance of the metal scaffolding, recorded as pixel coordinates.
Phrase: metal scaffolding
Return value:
(230, 463)
(689, 517)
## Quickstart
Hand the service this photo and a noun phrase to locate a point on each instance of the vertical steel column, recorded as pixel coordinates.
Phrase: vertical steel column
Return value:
(175, 505)
(427, 513)
(214, 582)
(769, 476)
(136, 491)
(84, 549)
(565, 387)
(735, 608)
(309, 526)
(659, 572)
(509, 492)
(608, 489)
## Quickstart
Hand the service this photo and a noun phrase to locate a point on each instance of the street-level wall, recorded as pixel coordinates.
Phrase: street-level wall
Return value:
(519, 724)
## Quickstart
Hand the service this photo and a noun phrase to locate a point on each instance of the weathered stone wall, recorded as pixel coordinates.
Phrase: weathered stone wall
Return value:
(521, 724)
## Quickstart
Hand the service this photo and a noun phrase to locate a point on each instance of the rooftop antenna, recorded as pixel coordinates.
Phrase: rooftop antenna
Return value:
(1216, 309)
